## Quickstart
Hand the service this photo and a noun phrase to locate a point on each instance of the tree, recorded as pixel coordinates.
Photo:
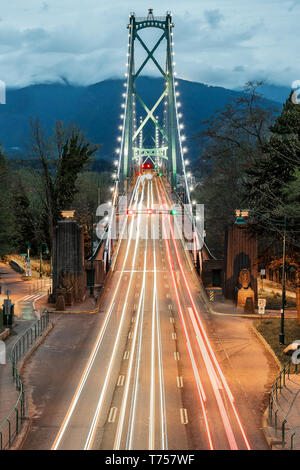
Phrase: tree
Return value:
(62, 157)
(5, 212)
(23, 226)
(233, 139)
(272, 184)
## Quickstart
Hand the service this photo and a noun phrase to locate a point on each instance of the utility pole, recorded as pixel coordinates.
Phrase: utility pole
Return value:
(281, 335)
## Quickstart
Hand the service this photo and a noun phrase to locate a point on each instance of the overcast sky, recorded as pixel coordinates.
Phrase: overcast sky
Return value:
(219, 42)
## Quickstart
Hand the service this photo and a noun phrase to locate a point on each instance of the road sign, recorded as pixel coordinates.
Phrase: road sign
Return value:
(262, 302)
(261, 310)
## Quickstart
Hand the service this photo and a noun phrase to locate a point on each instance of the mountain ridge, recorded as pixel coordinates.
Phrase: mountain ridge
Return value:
(96, 108)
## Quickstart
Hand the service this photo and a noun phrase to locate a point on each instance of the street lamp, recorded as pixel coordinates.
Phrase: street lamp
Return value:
(240, 219)
(41, 256)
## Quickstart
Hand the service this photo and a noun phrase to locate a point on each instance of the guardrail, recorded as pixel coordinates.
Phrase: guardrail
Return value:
(287, 435)
(11, 425)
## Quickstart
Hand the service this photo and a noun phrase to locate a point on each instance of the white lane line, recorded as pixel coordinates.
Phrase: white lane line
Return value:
(126, 355)
(184, 416)
(176, 356)
(179, 381)
(121, 379)
(174, 336)
(112, 414)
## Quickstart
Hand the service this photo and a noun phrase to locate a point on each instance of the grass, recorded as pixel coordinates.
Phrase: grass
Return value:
(274, 300)
(35, 264)
(270, 329)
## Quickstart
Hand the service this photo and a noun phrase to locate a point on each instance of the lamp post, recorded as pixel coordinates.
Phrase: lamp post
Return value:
(92, 258)
(240, 219)
(41, 256)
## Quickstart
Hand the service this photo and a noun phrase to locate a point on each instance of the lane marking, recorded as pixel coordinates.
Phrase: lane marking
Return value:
(121, 379)
(112, 414)
(179, 381)
(184, 416)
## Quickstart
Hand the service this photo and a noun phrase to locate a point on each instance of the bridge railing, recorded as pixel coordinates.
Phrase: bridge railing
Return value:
(288, 436)
(11, 425)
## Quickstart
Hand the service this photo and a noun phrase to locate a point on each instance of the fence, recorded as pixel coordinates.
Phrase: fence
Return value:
(11, 425)
(288, 436)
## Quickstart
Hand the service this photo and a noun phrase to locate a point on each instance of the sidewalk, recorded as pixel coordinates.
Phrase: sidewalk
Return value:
(21, 292)
(8, 392)
(88, 306)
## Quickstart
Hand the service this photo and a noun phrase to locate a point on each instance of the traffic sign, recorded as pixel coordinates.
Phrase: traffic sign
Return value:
(262, 302)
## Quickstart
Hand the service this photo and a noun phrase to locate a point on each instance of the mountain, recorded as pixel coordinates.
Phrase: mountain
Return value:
(273, 92)
(97, 108)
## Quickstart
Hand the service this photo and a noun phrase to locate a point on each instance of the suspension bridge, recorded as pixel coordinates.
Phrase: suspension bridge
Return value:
(153, 379)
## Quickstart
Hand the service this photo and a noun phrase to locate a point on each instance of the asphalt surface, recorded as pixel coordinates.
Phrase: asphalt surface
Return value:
(153, 378)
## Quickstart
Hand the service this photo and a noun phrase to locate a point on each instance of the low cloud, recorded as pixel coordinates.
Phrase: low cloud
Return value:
(86, 43)
(213, 17)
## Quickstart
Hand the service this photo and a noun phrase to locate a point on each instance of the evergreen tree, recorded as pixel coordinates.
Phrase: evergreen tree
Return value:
(23, 227)
(5, 213)
(272, 186)
(268, 179)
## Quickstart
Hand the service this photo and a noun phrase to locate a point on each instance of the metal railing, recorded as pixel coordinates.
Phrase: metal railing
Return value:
(11, 425)
(288, 436)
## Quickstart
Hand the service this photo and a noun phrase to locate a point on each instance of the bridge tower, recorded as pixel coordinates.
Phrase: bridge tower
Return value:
(166, 151)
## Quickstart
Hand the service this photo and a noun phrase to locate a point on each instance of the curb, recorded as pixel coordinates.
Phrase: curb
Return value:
(271, 440)
(87, 312)
(19, 441)
(267, 346)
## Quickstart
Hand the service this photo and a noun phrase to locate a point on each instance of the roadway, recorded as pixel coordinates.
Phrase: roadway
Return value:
(152, 380)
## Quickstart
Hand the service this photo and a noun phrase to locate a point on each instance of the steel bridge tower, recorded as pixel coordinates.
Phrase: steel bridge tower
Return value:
(167, 152)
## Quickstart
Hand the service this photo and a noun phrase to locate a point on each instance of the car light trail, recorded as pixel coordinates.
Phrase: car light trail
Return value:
(151, 440)
(223, 380)
(96, 346)
(120, 426)
(95, 421)
(164, 437)
(200, 389)
(215, 384)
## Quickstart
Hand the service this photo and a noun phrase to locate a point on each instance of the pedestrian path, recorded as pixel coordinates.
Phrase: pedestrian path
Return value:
(8, 392)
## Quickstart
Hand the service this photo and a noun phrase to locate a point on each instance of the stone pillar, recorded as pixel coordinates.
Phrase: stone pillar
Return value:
(240, 253)
(68, 261)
